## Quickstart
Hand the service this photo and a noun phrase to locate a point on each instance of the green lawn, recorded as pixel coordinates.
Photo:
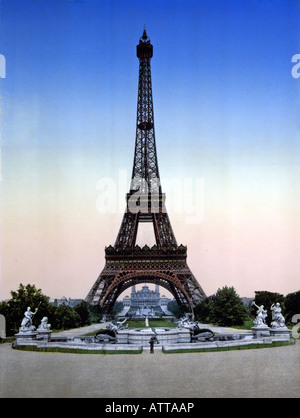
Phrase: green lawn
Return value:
(247, 325)
(72, 350)
(153, 323)
(230, 348)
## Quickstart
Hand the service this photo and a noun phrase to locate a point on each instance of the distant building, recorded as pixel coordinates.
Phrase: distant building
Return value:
(247, 301)
(164, 301)
(126, 302)
(64, 301)
(143, 299)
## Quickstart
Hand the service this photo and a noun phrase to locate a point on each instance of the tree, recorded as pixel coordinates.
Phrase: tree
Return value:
(225, 308)
(117, 308)
(66, 317)
(84, 313)
(24, 297)
(228, 308)
(95, 313)
(292, 305)
(204, 311)
(174, 308)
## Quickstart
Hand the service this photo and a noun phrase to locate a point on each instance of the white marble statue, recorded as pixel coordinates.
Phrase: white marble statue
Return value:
(116, 326)
(121, 323)
(112, 327)
(44, 324)
(182, 322)
(186, 323)
(26, 324)
(278, 319)
(261, 315)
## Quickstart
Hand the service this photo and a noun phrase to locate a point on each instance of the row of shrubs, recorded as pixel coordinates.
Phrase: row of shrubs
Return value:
(226, 308)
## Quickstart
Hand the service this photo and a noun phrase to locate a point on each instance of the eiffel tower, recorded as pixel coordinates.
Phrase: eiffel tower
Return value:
(128, 264)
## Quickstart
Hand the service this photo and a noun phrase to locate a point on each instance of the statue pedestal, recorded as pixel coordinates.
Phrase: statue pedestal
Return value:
(260, 332)
(281, 332)
(25, 336)
(44, 334)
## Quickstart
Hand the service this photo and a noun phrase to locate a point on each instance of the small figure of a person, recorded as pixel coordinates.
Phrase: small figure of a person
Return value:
(152, 341)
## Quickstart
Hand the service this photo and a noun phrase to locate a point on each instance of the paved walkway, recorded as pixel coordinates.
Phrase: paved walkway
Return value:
(223, 330)
(268, 372)
(77, 332)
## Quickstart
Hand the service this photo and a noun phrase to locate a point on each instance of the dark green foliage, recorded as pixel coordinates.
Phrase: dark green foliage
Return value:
(217, 309)
(225, 308)
(266, 298)
(174, 308)
(229, 308)
(117, 308)
(24, 297)
(292, 305)
(83, 310)
(177, 310)
(66, 318)
(204, 311)
(95, 313)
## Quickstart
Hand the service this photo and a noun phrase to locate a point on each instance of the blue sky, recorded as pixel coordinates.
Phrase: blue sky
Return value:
(226, 110)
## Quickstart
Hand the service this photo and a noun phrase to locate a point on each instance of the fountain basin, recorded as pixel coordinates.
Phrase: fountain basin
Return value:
(143, 335)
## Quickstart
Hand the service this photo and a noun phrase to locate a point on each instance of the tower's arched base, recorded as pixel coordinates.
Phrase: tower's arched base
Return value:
(146, 265)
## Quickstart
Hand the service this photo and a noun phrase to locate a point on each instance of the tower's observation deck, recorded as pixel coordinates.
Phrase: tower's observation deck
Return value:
(144, 50)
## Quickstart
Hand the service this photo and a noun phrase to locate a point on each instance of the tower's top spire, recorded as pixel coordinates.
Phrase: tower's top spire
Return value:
(144, 37)
(144, 49)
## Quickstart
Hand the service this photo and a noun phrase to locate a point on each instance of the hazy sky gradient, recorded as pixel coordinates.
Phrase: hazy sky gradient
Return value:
(226, 111)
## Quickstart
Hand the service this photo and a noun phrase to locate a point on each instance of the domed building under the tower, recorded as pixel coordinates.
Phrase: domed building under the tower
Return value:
(145, 302)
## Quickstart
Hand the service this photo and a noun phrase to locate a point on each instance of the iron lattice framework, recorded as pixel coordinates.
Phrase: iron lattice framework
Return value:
(128, 264)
